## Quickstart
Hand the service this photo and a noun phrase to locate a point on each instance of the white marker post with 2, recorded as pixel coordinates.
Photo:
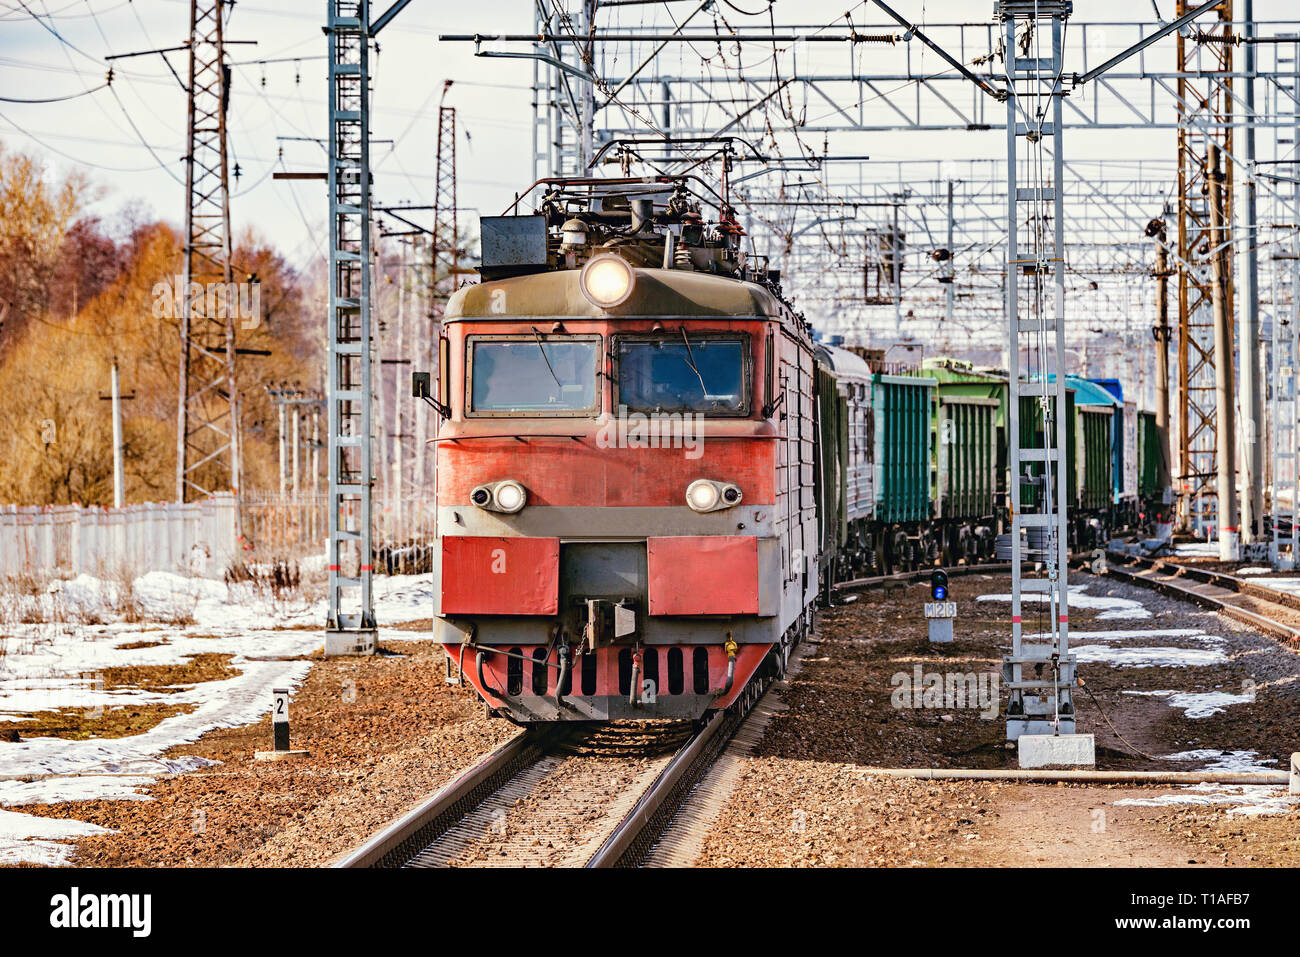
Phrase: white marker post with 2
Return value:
(280, 729)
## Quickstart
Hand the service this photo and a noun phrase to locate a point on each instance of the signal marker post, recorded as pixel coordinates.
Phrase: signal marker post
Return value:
(280, 732)
(939, 611)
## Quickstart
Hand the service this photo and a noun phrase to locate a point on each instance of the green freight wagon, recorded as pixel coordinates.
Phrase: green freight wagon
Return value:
(969, 439)
(1150, 457)
(1096, 408)
(1032, 437)
(1095, 434)
(901, 410)
(966, 457)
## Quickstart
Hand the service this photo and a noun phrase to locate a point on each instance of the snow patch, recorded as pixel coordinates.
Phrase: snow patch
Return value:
(1202, 549)
(1156, 657)
(1194, 634)
(1111, 607)
(169, 597)
(58, 664)
(1198, 704)
(1225, 760)
(27, 839)
(1248, 800)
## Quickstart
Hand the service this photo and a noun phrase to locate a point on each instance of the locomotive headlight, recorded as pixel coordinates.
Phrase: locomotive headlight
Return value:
(509, 496)
(607, 280)
(704, 495)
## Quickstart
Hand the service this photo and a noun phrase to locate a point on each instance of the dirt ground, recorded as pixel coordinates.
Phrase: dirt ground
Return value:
(383, 733)
(807, 798)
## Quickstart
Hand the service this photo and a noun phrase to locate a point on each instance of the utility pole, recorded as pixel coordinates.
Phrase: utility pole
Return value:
(395, 500)
(207, 428)
(587, 141)
(1161, 334)
(1252, 397)
(446, 224)
(1223, 378)
(296, 432)
(119, 476)
(444, 252)
(284, 455)
(950, 270)
(1284, 543)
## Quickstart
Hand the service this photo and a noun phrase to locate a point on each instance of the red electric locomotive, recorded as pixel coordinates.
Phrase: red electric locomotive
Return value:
(627, 483)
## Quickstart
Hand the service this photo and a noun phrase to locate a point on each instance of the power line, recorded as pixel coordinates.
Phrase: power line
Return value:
(57, 99)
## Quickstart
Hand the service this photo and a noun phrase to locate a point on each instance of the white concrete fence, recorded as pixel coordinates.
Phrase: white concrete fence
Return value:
(200, 538)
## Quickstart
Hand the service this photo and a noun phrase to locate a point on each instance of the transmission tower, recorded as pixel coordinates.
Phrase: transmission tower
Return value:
(1205, 105)
(207, 433)
(446, 232)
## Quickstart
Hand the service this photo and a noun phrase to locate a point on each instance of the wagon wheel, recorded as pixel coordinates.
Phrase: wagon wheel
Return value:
(951, 546)
(927, 549)
(901, 553)
(968, 547)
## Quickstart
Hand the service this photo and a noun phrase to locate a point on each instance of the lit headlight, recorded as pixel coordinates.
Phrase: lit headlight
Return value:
(510, 496)
(704, 495)
(607, 280)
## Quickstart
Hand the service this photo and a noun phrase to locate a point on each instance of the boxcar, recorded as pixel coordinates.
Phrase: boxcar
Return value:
(1150, 458)
(901, 408)
(1124, 450)
(1100, 445)
(1032, 437)
(969, 464)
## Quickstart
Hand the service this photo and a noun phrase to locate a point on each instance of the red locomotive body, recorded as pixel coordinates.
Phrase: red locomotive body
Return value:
(625, 499)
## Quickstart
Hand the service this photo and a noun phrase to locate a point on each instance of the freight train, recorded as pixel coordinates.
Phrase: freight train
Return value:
(649, 470)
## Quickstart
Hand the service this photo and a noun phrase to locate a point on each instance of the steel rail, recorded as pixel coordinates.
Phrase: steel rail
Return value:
(920, 575)
(1169, 584)
(672, 782)
(399, 841)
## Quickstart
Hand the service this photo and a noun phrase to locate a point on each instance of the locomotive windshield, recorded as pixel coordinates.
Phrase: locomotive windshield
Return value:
(683, 372)
(545, 375)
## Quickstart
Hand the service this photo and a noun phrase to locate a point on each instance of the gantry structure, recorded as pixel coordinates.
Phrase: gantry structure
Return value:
(807, 103)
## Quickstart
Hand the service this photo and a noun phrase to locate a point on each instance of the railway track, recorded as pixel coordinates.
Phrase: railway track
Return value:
(592, 796)
(560, 796)
(1276, 613)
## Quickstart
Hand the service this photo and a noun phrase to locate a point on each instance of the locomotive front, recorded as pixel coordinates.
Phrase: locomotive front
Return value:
(620, 528)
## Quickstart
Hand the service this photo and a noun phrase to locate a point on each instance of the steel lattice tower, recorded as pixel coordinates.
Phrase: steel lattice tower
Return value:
(563, 100)
(1040, 671)
(207, 432)
(1204, 118)
(446, 231)
(350, 627)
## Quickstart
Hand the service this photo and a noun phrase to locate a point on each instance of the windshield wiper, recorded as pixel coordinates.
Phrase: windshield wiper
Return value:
(541, 347)
(690, 361)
